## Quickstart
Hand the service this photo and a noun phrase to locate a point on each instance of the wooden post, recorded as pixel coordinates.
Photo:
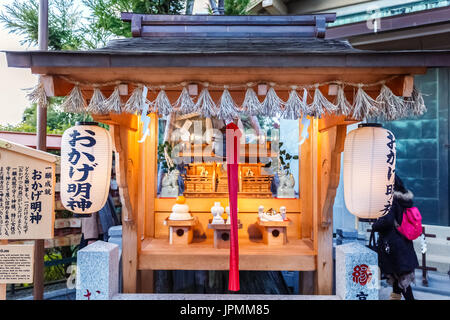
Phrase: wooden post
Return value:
(424, 261)
(330, 146)
(41, 135)
(124, 173)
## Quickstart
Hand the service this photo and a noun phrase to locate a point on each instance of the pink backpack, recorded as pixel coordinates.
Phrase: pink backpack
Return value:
(411, 226)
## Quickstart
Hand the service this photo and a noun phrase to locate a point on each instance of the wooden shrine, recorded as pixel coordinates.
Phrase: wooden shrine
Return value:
(171, 53)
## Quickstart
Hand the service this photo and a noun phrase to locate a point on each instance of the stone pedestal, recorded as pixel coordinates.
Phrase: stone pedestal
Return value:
(274, 232)
(222, 234)
(98, 271)
(357, 273)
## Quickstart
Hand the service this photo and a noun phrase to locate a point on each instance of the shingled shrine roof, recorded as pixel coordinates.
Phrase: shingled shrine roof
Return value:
(232, 41)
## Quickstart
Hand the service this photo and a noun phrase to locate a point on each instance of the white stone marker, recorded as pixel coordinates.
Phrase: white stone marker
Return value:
(357, 272)
(98, 271)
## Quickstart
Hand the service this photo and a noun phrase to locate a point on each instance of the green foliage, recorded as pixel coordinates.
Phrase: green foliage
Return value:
(21, 17)
(55, 272)
(162, 158)
(57, 120)
(285, 159)
(105, 22)
(236, 7)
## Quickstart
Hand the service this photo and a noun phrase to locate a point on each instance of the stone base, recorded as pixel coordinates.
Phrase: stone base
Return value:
(286, 193)
(357, 272)
(169, 193)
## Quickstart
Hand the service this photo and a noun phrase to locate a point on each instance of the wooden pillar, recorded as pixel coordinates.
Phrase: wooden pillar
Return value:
(330, 146)
(129, 229)
(41, 135)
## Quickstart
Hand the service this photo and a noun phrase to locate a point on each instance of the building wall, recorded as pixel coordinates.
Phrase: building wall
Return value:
(422, 148)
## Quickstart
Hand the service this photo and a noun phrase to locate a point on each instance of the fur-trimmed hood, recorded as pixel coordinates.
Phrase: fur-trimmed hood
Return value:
(405, 199)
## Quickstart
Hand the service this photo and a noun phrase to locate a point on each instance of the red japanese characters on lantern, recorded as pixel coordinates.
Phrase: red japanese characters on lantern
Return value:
(362, 274)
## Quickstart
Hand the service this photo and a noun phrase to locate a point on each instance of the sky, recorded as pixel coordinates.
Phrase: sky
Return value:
(13, 81)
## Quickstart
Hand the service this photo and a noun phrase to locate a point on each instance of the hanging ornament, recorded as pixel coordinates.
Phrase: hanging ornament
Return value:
(184, 104)
(251, 105)
(75, 101)
(96, 104)
(272, 104)
(113, 103)
(320, 104)
(86, 158)
(390, 106)
(38, 95)
(343, 106)
(205, 104)
(162, 103)
(364, 106)
(294, 107)
(369, 171)
(416, 103)
(227, 108)
(135, 102)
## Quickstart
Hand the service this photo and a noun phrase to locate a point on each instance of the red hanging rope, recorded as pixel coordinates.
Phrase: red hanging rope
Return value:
(233, 136)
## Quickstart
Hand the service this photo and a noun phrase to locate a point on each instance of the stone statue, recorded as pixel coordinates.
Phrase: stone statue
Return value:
(170, 184)
(286, 186)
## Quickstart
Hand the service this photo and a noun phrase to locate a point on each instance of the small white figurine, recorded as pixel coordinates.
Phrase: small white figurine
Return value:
(283, 212)
(260, 211)
(270, 215)
(217, 211)
(180, 210)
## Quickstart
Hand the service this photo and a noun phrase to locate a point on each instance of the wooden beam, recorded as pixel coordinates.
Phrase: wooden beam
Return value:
(125, 120)
(329, 121)
(334, 175)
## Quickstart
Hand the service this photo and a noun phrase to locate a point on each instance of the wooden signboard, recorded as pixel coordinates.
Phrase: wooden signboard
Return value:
(16, 263)
(27, 192)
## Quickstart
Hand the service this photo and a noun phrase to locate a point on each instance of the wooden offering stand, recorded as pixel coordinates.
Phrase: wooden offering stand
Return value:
(274, 232)
(181, 232)
(222, 234)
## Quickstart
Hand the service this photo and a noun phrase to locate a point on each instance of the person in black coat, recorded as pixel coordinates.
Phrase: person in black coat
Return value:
(396, 256)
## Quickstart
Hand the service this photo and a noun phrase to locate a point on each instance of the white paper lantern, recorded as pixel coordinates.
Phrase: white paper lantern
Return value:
(86, 159)
(369, 171)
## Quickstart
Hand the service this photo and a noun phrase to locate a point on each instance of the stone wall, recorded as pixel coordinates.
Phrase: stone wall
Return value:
(422, 148)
